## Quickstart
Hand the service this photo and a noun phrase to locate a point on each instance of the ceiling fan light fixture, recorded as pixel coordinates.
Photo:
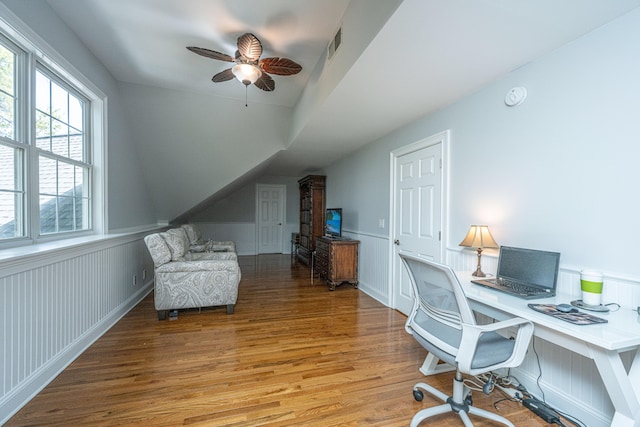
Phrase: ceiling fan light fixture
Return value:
(246, 73)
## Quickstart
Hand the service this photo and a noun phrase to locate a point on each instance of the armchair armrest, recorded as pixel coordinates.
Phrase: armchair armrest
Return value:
(471, 335)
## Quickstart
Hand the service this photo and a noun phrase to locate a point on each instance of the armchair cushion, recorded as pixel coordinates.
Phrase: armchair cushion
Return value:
(158, 249)
(193, 233)
(177, 241)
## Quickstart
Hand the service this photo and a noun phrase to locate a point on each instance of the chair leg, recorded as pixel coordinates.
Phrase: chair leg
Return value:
(456, 403)
(230, 308)
(162, 314)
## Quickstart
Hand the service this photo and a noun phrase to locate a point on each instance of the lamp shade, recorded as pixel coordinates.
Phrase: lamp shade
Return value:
(246, 73)
(479, 237)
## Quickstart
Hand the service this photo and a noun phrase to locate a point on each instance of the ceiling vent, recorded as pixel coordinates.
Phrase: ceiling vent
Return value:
(334, 44)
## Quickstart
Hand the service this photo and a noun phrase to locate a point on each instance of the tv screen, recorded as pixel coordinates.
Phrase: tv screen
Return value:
(333, 223)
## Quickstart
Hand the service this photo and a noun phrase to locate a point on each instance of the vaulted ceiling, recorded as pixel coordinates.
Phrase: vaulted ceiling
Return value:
(399, 60)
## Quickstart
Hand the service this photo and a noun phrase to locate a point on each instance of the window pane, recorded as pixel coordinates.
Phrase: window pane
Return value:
(59, 103)
(60, 118)
(65, 179)
(48, 214)
(43, 131)
(48, 176)
(82, 211)
(8, 168)
(76, 113)
(66, 211)
(76, 145)
(9, 210)
(79, 189)
(43, 93)
(7, 93)
(11, 194)
(60, 138)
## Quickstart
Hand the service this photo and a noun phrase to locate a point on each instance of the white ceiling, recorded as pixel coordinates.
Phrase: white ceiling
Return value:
(426, 56)
(144, 41)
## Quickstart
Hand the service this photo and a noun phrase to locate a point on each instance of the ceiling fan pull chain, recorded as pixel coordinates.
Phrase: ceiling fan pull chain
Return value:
(246, 89)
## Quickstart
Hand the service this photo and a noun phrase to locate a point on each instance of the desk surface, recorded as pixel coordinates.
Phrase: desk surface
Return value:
(620, 334)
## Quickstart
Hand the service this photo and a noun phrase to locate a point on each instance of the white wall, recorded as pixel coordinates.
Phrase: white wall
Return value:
(186, 162)
(59, 297)
(557, 173)
(128, 203)
(234, 217)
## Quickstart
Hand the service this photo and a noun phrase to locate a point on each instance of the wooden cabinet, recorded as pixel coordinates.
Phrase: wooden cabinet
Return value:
(336, 261)
(312, 211)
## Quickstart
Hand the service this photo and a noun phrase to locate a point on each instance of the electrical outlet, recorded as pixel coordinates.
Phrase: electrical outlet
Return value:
(381, 223)
(144, 274)
(135, 279)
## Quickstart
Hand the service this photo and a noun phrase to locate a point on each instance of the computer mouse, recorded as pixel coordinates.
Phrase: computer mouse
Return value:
(565, 308)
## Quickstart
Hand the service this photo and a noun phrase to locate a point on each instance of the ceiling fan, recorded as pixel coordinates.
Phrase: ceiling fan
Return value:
(249, 68)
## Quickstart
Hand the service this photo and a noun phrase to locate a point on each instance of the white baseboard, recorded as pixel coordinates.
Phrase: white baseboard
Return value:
(16, 399)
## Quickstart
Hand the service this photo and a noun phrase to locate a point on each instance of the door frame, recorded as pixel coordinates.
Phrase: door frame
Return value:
(283, 207)
(444, 138)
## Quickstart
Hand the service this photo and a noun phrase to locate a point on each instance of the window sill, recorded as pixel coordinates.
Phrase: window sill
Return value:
(21, 258)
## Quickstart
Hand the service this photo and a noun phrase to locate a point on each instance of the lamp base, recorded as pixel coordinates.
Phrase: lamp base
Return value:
(478, 273)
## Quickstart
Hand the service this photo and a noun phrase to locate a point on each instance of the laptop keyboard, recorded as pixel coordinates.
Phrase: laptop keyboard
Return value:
(518, 287)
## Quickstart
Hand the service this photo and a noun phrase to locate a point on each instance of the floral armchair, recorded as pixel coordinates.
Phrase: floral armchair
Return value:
(190, 280)
(197, 244)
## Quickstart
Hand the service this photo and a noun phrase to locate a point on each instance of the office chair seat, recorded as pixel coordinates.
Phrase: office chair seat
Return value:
(442, 322)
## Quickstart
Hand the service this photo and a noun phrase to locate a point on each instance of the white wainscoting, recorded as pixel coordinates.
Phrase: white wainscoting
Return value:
(56, 303)
(373, 265)
(244, 234)
(570, 382)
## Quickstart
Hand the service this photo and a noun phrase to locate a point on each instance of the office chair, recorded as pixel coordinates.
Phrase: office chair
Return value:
(442, 321)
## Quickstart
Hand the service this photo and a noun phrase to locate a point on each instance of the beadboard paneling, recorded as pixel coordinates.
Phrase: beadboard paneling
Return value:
(373, 265)
(52, 311)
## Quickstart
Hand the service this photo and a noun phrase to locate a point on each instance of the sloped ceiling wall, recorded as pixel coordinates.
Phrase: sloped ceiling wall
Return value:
(192, 145)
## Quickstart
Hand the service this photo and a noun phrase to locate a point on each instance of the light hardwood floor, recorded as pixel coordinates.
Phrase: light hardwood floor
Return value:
(292, 354)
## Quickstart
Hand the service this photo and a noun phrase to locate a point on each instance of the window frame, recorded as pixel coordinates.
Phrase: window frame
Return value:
(36, 54)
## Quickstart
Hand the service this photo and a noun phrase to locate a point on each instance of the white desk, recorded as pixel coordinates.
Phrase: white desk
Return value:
(602, 343)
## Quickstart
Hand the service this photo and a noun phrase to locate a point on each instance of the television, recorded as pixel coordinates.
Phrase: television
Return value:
(333, 223)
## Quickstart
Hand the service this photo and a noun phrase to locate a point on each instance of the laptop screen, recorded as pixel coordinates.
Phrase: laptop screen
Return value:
(529, 266)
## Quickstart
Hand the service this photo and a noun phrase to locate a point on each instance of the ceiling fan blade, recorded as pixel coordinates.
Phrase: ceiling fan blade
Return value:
(265, 82)
(210, 53)
(249, 46)
(280, 66)
(223, 76)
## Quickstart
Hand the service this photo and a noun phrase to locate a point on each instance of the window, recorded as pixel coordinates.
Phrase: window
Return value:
(63, 174)
(11, 154)
(48, 152)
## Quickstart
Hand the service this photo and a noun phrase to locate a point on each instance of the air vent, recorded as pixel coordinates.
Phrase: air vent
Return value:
(334, 44)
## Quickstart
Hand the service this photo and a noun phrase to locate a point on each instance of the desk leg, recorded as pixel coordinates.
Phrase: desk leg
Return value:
(620, 386)
(430, 366)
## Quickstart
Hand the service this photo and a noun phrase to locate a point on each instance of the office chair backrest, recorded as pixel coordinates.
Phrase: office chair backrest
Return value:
(440, 307)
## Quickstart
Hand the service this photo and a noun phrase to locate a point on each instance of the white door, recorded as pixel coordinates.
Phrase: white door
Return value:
(417, 210)
(270, 203)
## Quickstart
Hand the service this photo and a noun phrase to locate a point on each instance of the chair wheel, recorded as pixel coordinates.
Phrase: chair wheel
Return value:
(418, 395)
(468, 400)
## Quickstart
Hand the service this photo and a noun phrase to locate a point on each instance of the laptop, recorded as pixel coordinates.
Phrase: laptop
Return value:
(525, 273)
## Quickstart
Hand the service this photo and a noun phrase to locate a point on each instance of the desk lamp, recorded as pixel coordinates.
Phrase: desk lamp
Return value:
(479, 237)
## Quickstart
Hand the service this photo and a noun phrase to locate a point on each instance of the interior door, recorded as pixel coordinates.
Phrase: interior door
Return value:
(417, 228)
(270, 205)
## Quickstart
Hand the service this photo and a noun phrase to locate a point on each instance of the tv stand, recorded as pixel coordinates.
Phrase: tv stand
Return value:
(337, 260)
(333, 237)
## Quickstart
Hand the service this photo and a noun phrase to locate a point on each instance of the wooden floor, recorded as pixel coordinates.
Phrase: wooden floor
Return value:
(292, 354)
